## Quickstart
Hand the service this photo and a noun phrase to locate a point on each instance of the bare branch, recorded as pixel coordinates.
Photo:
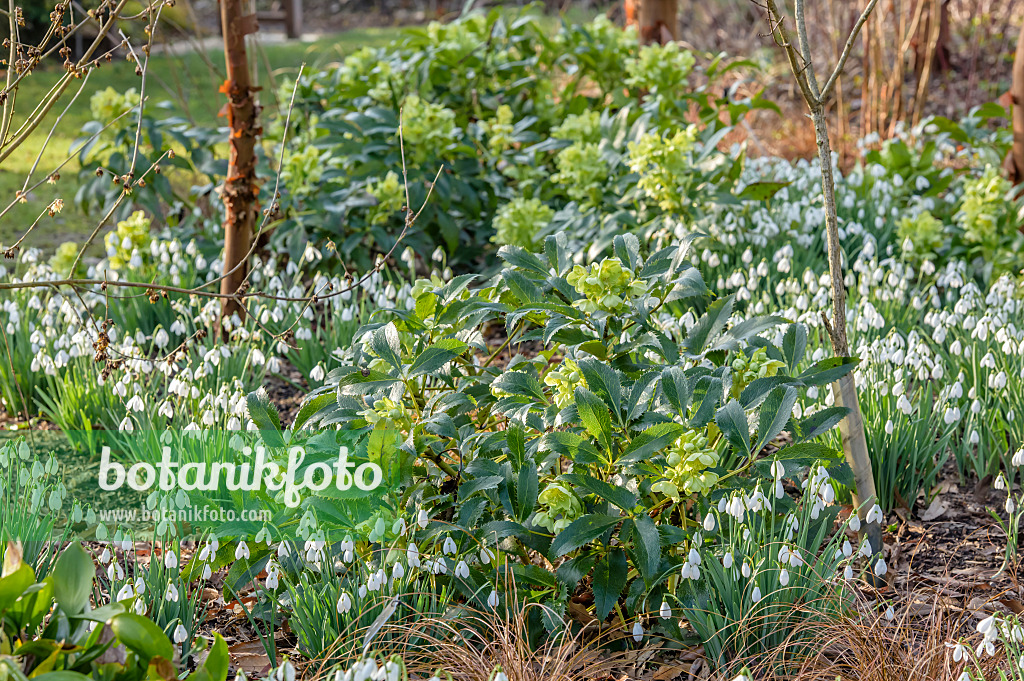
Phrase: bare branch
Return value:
(830, 83)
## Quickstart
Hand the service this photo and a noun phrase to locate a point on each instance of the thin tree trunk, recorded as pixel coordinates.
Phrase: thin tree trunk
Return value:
(1015, 160)
(241, 190)
(844, 390)
(657, 20)
(851, 429)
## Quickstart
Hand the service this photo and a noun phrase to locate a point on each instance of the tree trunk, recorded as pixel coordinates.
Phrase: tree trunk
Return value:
(1014, 163)
(657, 20)
(241, 190)
(851, 428)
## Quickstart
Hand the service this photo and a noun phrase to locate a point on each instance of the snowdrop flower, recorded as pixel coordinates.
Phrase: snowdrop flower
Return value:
(890, 614)
(422, 519)
(1010, 506)
(778, 469)
(398, 571)
(286, 672)
(880, 567)
(855, 522)
(745, 569)
(784, 577)
(344, 603)
(638, 631)
(449, 547)
(755, 596)
(105, 556)
(171, 595)
(1000, 482)
(665, 612)
(462, 570)
(125, 593)
(272, 580)
(170, 560)
(486, 556)
(180, 634)
(889, 427)
(492, 600)
(1018, 458)
(709, 523)
(848, 573)
(242, 551)
(207, 572)
(875, 515)
(959, 650)
(727, 561)
(412, 556)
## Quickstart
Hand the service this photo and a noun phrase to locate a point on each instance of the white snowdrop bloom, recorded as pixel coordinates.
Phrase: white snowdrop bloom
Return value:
(126, 425)
(180, 634)
(207, 572)
(709, 523)
(344, 603)
(422, 519)
(1018, 457)
(492, 600)
(855, 522)
(777, 469)
(727, 561)
(784, 577)
(161, 338)
(889, 426)
(1000, 482)
(745, 569)
(890, 614)
(848, 573)
(880, 567)
(693, 556)
(317, 373)
(951, 415)
(412, 555)
(125, 593)
(242, 551)
(1010, 506)
(286, 672)
(486, 556)
(665, 612)
(462, 570)
(904, 405)
(272, 580)
(865, 549)
(449, 547)
(399, 527)
(398, 571)
(170, 559)
(105, 556)
(875, 515)
(171, 595)
(755, 596)
(140, 585)
(847, 548)
(956, 348)
(638, 631)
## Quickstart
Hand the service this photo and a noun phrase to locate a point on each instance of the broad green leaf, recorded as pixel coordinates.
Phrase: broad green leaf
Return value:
(821, 422)
(651, 441)
(732, 421)
(761, 191)
(775, 413)
(613, 494)
(595, 417)
(141, 636)
(520, 383)
(73, 576)
(523, 259)
(581, 532)
(676, 389)
(828, 370)
(708, 326)
(603, 380)
(609, 580)
(526, 490)
(264, 414)
(648, 546)
(436, 356)
(387, 345)
(794, 345)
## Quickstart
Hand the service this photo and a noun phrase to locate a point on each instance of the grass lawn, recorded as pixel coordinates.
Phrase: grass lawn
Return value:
(187, 77)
